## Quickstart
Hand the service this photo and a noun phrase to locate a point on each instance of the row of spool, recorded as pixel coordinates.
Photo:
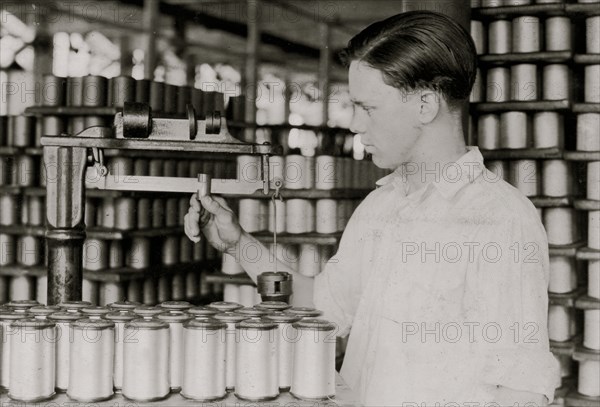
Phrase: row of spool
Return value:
(550, 178)
(204, 352)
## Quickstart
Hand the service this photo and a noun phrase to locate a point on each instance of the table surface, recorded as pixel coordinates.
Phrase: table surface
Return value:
(344, 397)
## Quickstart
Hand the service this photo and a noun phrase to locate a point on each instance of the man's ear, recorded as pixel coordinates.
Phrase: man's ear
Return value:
(429, 106)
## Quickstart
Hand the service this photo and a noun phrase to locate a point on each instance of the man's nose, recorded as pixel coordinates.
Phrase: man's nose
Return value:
(358, 125)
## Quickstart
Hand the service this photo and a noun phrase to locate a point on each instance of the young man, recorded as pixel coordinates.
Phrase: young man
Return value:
(441, 274)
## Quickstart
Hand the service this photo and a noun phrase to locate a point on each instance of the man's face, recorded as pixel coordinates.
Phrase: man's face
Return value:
(386, 118)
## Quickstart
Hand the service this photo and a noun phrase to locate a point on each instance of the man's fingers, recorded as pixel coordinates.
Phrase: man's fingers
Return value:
(194, 203)
(211, 205)
(192, 230)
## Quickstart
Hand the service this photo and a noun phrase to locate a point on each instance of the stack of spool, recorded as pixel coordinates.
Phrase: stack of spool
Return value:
(202, 352)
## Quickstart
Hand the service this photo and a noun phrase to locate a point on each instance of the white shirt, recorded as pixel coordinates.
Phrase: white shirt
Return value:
(444, 290)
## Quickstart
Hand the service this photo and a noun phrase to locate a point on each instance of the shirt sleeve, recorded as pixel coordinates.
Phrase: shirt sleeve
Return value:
(337, 289)
(513, 277)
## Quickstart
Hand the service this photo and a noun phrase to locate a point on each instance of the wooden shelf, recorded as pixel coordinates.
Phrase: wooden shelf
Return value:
(565, 348)
(567, 250)
(586, 108)
(19, 270)
(96, 232)
(591, 9)
(521, 106)
(582, 353)
(582, 155)
(557, 9)
(301, 238)
(587, 59)
(551, 202)
(575, 399)
(522, 153)
(586, 205)
(527, 57)
(71, 111)
(586, 253)
(566, 299)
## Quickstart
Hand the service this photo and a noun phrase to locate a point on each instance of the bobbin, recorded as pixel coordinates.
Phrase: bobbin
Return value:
(592, 84)
(488, 132)
(314, 360)
(514, 131)
(287, 334)
(74, 306)
(7, 317)
(176, 320)
(560, 225)
(135, 290)
(146, 374)
(558, 34)
(561, 323)
(91, 360)
(95, 312)
(304, 312)
(201, 312)
(148, 311)
(556, 82)
(500, 37)
(119, 318)
(563, 276)
(548, 130)
(526, 34)
(42, 311)
(41, 289)
(524, 82)
(178, 285)
(21, 287)
(205, 360)
(556, 178)
(588, 127)
(62, 320)
(32, 360)
(225, 306)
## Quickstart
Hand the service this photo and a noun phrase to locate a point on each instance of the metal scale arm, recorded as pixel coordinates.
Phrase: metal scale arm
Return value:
(73, 163)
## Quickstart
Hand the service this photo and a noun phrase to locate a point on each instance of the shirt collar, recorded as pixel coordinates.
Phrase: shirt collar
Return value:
(448, 180)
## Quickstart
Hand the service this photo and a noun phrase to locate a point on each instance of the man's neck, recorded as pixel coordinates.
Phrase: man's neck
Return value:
(437, 147)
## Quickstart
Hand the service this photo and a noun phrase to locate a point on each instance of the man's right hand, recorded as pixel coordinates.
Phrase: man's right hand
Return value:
(220, 225)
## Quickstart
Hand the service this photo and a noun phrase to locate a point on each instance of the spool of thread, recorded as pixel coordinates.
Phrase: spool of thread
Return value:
(18, 92)
(560, 225)
(32, 361)
(142, 91)
(116, 257)
(593, 180)
(119, 319)
(95, 312)
(7, 249)
(248, 295)
(171, 212)
(256, 365)
(111, 292)
(297, 214)
(94, 90)
(526, 34)
(138, 255)
(525, 176)
(561, 323)
(36, 211)
(198, 251)
(29, 250)
(20, 131)
(591, 330)
(52, 126)
(588, 127)
(7, 317)
(185, 250)
(230, 265)
(64, 339)
(53, 90)
(524, 82)
(249, 211)
(121, 90)
(230, 319)
(204, 363)
(164, 288)
(119, 166)
(309, 177)
(326, 216)
(314, 360)
(178, 286)
(594, 278)
(176, 321)
(478, 35)
(276, 167)
(488, 132)
(157, 96)
(296, 171)
(589, 378)
(231, 293)
(558, 34)
(90, 291)
(135, 290)
(310, 216)
(124, 305)
(43, 311)
(592, 84)
(248, 168)
(191, 284)
(340, 172)
(90, 212)
(556, 82)
(182, 209)
(514, 130)
(594, 230)
(309, 263)
(548, 130)
(325, 172)
(563, 276)
(41, 290)
(592, 35)
(5, 169)
(8, 214)
(125, 213)
(500, 37)
(95, 254)
(287, 335)
(74, 306)
(557, 178)
(276, 216)
(146, 360)
(144, 207)
(202, 312)
(91, 367)
(176, 306)
(170, 168)
(25, 171)
(184, 97)
(107, 213)
(158, 213)
(170, 250)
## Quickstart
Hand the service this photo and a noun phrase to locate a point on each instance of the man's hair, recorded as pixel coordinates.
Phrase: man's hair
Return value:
(418, 50)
